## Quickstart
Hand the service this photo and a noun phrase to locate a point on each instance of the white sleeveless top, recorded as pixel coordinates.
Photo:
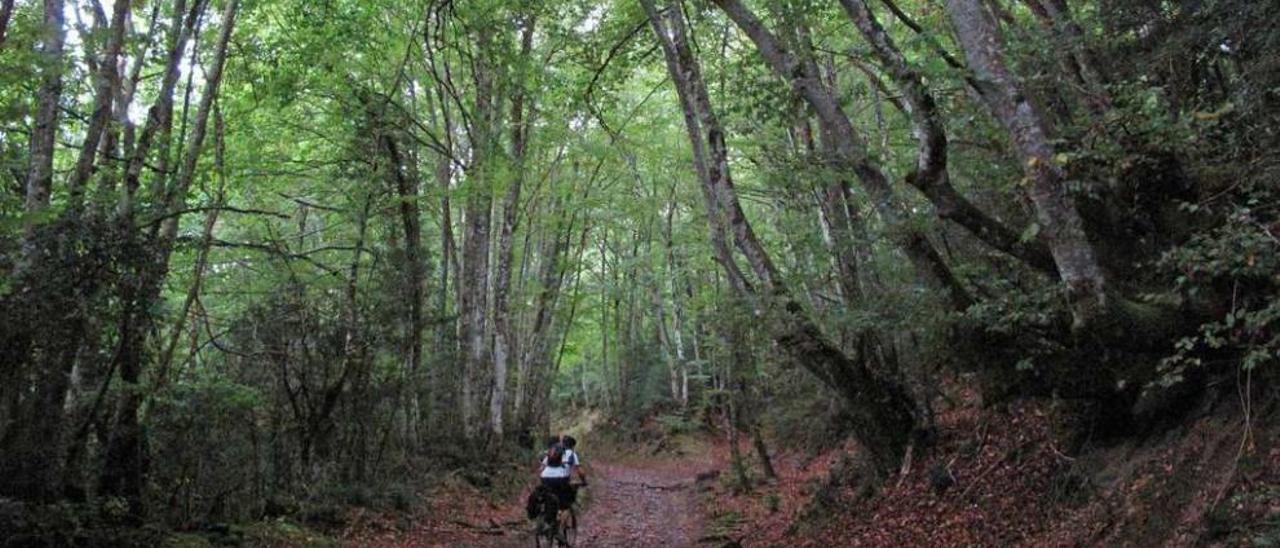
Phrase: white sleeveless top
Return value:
(567, 462)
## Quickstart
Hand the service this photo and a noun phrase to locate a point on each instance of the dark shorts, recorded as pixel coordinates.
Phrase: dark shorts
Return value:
(562, 489)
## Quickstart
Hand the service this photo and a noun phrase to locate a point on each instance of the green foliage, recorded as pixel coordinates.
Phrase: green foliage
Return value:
(773, 502)
(1237, 259)
(726, 522)
(675, 425)
(99, 521)
(289, 391)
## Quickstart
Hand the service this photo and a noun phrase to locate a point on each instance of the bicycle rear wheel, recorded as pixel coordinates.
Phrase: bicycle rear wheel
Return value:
(545, 535)
(571, 535)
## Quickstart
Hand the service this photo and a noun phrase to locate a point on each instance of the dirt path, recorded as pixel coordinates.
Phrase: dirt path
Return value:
(631, 506)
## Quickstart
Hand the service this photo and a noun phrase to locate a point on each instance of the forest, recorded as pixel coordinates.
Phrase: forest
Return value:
(877, 272)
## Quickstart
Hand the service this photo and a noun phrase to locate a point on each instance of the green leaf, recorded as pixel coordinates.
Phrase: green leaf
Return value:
(1029, 234)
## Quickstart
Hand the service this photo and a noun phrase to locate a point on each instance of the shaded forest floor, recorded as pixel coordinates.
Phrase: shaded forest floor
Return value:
(1024, 474)
(1030, 474)
(634, 499)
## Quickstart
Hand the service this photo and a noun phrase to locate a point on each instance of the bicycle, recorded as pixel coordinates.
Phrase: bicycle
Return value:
(557, 526)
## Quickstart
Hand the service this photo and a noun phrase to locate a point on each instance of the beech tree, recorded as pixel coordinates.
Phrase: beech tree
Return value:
(256, 253)
(881, 406)
(1001, 91)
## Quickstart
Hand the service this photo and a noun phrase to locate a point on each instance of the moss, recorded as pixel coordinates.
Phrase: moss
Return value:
(726, 522)
(186, 540)
(1138, 325)
(285, 533)
(1268, 537)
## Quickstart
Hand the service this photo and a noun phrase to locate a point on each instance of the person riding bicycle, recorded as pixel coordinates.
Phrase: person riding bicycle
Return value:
(557, 467)
(558, 464)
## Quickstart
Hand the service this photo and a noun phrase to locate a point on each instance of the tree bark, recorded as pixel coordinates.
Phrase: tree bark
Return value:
(118, 140)
(762, 452)
(160, 114)
(6, 14)
(352, 346)
(30, 450)
(739, 359)
(681, 392)
(124, 443)
(105, 86)
(842, 142)
(45, 128)
(664, 341)
(165, 363)
(440, 394)
(404, 177)
(537, 354)
(1056, 212)
(880, 406)
(503, 336)
(474, 282)
(931, 176)
(124, 467)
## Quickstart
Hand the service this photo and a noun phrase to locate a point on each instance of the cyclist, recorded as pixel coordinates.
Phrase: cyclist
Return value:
(556, 470)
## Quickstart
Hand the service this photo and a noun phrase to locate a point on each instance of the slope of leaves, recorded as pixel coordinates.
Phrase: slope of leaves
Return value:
(1029, 475)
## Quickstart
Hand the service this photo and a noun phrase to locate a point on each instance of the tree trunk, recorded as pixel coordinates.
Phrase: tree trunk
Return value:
(6, 14)
(930, 175)
(44, 131)
(677, 336)
(353, 359)
(160, 115)
(1056, 212)
(472, 306)
(124, 443)
(124, 467)
(762, 452)
(118, 141)
(668, 348)
(165, 363)
(739, 359)
(836, 213)
(30, 452)
(474, 282)
(880, 406)
(503, 337)
(404, 176)
(552, 275)
(107, 82)
(604, 316)
(442, 395)
(844, 146)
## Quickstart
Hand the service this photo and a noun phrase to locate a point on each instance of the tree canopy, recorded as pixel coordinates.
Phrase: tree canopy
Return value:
(255, 247)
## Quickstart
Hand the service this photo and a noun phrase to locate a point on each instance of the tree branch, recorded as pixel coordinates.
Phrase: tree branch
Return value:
(202, 209)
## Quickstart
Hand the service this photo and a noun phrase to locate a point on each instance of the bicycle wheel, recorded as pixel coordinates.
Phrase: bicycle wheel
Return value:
(562, 536)
(545, 534)
(570, 534)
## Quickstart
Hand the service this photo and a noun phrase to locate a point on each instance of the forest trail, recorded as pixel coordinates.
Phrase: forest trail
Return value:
(649, 502)
(300, 273)
(637, 505)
